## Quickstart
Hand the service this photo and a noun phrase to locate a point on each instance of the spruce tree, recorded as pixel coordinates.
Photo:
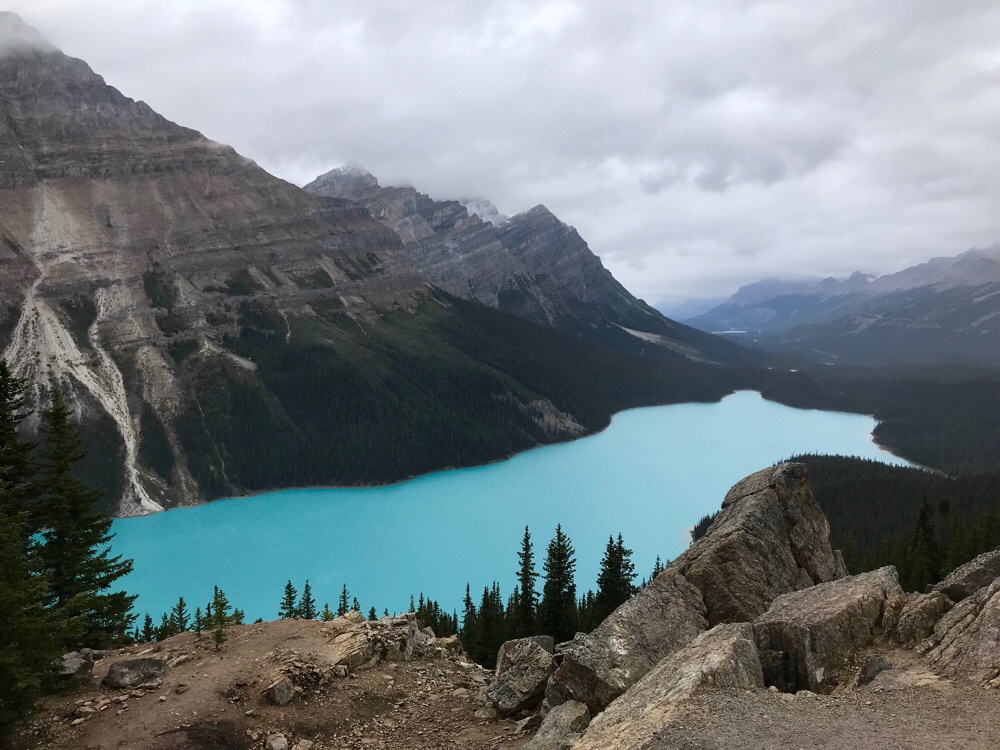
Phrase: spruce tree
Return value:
(148, 631)
(658, 567)
(179, 616)
(31, 635)
(469, 634)
(527, 598)
(199, 623)
(342, 605)
(288, 607)
(372, 615)
(923, 561)
(355, 605)
(18, 491)
(557, 609)
(327, 613)
(307, 605)
(614, 582)
(77, 558)
(220, 617)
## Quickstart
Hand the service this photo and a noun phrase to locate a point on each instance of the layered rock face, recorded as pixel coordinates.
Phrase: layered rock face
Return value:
(122, 233)
(532, 265)
(769, 538)
(965, 640)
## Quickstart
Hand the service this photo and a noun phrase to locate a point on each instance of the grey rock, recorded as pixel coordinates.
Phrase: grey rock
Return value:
(487, 713)
(561, 727)
(966, 580)
(277, 742)
(75, 663)
(521, 685)
(503, 662)
(280, 692)
(873, 668)
(806, 635)
(130, 673)
(913, 619)
(724, 657)
(660, 619)
(769, 538)
(964, 644)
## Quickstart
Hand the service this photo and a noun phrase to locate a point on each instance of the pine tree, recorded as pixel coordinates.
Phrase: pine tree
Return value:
(179, 616)
(614, 582)
(220, 617)
(342, 606)
(469, 634)
(165, 629)
(557, 609)
(527, 598)
(288, 608)
(18, 490)
(658, 567)
(148, 631)
(76, 554)
(307, 605)
(327, 614)
(32, 635)
(199, 623)
(372, 615)
(355, 605)
(923, 561)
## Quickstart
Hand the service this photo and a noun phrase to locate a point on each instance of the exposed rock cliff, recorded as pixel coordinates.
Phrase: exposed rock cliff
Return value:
(223, 331)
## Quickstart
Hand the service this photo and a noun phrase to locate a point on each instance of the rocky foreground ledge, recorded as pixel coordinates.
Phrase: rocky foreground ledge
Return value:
(755, 637)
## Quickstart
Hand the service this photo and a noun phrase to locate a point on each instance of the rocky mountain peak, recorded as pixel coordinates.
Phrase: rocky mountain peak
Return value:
(350, 180)
(17, 37)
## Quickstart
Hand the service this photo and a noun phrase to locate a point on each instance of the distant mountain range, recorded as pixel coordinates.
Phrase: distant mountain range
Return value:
(947, 309)
(222, 331)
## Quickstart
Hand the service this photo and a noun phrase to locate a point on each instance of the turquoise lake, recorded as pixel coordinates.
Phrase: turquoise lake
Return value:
(651, 475)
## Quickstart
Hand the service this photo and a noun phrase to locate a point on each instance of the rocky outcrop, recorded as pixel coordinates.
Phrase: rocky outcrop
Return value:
(131, 673)
(769, 538)
(964, 644)
(807, 635)
(599, 666)
(724, 657)
(910, 618)
(523, 670)
(561, 727)
(966, 580)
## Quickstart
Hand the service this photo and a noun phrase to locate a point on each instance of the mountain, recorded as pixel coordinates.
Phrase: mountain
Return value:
(222, 331)
(943, 310)
(532, 265)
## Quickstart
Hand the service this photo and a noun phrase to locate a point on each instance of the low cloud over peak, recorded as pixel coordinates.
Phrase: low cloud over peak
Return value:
(695, 145)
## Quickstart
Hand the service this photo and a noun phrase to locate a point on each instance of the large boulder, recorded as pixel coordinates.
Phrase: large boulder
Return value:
(561, 727)
(130, 673)
(806, 635)
(723, 657)
(504, 659)
(966, 641)
(966, 580)
(527, 666)
(769, 538)
(598, 667)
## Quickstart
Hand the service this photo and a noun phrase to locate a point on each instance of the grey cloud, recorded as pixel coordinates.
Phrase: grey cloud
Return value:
(696, 145)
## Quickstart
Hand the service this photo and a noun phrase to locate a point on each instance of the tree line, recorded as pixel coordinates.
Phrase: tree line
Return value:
(57, 571)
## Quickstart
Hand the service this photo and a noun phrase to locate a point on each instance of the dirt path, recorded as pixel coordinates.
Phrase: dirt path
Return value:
(213, 701)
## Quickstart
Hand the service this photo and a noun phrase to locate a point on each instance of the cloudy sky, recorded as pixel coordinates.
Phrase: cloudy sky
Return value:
(696, 144)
